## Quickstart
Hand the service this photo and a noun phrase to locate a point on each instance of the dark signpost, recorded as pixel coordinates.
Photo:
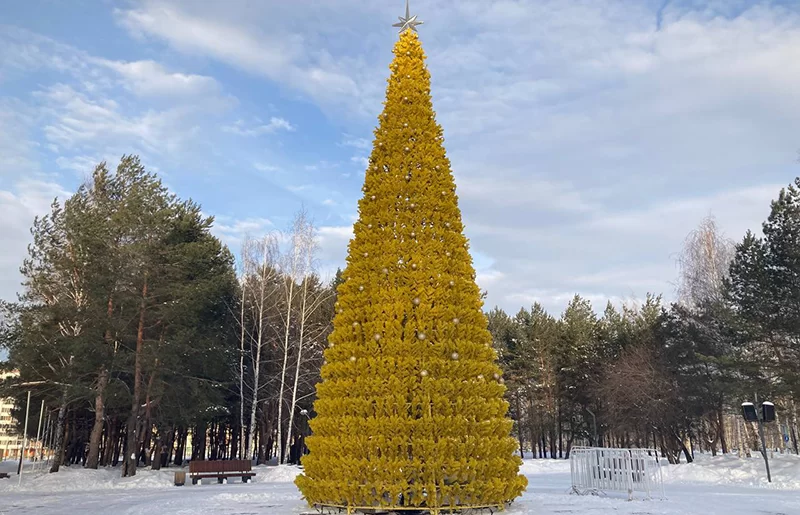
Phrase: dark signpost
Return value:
(763, 416)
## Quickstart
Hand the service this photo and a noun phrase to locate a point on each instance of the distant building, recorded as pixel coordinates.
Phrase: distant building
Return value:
(10, 438)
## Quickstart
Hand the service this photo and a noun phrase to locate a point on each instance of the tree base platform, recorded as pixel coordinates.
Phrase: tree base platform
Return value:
(333, 509)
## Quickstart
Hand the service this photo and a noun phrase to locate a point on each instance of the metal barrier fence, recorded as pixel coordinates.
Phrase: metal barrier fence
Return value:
(599, 470)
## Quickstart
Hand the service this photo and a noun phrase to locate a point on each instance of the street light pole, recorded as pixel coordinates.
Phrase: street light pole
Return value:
(761, 416)
(39, 432)
(594, 427)
(24, 438)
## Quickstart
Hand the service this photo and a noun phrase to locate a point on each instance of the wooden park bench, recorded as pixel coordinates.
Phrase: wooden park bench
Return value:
(221, 470)
(4, 475)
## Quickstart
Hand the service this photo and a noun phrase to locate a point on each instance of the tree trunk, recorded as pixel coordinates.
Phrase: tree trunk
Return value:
(746, 440)
(254, 399)
(283, 369)
(118, 445)
(59, 444)
(569, 444)
(180, 451)
(242, 450)
(721, 421)
(793, 426)
(543, 445)
(92, 460)
(264, 433)
(129, 469)
(108, 442)
(202, 436)
(146, 436)
(303, 315)
(682, 445)
(519, 427)
(158, 451)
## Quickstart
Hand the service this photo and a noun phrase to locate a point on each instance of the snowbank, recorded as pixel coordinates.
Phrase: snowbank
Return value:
(705, 470)
(276, 473)
(731, 470)
(75, 478)
(540, 466)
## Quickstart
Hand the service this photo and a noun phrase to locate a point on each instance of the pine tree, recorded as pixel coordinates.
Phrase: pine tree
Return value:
(410, 410)
(764, 288)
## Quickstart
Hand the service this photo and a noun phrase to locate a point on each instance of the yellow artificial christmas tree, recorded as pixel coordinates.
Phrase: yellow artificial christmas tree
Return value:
(410, 410)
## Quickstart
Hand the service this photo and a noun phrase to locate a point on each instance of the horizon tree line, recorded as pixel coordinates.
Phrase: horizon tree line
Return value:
(148, 341)
(139, 333)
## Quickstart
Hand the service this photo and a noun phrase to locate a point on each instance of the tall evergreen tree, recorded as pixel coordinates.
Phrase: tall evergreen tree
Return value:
(410, 411)
(125, 292)
(764, 288)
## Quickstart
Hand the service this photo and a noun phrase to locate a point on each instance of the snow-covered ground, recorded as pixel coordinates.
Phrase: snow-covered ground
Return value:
(722, 485)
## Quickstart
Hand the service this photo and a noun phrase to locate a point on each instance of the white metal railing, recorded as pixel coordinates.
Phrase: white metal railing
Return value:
(599, 470)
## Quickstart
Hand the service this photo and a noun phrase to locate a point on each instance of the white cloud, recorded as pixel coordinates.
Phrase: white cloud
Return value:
(333, 241)
(361, 160)
(274, 125)
(17, 151)
(232, 232)
(94, 109)
(587, 138)
(281, 57)
(81, 124)
(26, 51)
(80, 164)
(608, 253)
(321, 165)
(149, 78)
(359, 143)
(263, 167)
(297, 188)
(27, 199)
(534, 193)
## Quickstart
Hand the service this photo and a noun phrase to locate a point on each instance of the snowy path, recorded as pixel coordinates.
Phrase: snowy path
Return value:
(724, 486)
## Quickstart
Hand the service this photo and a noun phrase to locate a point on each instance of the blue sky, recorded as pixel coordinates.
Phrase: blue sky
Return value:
(587, 138)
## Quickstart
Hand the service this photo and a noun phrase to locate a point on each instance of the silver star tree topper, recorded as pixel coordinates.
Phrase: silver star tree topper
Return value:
(408, 22)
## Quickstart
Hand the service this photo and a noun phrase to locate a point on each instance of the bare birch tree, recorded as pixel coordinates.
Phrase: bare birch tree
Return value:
(312, 296)
(292, 267)
(243, 334)
(704, 266)
(704, 263)
(261, 268)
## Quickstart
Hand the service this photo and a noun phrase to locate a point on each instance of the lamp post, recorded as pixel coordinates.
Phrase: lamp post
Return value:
(594, 427)
(24, 438)
(763, 416)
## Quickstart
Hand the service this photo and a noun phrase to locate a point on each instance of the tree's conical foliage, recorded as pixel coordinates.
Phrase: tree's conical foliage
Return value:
(410, 411)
